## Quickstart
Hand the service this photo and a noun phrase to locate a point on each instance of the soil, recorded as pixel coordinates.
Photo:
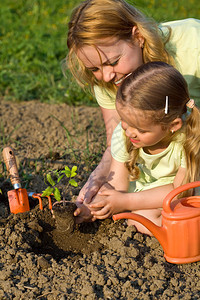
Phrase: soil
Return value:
(99, 260)
(63, 213)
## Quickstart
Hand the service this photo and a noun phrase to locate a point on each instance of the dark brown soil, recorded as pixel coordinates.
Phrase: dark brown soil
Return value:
(63, 213)
(100, 260)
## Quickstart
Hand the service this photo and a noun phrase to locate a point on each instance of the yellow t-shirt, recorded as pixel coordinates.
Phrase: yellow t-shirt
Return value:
(155, 170)
(185, 43)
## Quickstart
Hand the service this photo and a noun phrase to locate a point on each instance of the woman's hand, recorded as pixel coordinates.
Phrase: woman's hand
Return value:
(107, 202)
(96, 179)
(83, 213)
(90, 189)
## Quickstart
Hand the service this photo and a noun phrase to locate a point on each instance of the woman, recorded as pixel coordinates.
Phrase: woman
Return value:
(107, 41)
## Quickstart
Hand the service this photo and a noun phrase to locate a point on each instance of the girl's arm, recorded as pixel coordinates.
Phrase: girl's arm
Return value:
(113, 201)
(98, 176)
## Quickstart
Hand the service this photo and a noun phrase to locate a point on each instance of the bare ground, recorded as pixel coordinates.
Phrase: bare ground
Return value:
(100, 260)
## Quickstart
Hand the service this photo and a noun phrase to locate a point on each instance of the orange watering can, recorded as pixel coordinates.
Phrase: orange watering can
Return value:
(179, 234)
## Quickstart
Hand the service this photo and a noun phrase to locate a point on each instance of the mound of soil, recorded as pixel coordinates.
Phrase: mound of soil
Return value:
(100, 260)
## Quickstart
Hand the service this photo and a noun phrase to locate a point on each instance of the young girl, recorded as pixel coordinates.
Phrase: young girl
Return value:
(108, 40)
(156, 144)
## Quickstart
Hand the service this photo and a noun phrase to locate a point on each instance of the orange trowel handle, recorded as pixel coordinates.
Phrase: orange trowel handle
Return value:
(11, 165)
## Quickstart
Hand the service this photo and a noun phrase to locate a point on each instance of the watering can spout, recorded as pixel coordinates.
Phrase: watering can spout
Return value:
(159, 232)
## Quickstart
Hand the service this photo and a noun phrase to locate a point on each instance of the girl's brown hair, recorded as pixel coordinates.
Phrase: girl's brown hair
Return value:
(146, 89)
(95, 20)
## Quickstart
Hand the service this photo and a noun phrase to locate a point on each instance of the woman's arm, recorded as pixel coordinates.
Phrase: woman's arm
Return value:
(111, 120)
(98, 176)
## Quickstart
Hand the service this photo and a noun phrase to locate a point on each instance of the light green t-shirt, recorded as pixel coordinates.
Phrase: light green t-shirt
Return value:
(185, 43)
(155, 170)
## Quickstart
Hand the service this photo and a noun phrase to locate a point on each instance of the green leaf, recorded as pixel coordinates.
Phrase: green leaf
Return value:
(50, 180)
(73, 174)
(73, 171)
(57, 194)
(47, 192)
(59, 178)
(73, 182)
(67, 171)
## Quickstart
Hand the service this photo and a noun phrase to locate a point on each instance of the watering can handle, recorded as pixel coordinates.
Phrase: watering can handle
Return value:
(178, 190)
(11, 166)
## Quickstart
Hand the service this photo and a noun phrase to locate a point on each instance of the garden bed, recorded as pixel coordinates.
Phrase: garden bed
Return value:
(100, 260)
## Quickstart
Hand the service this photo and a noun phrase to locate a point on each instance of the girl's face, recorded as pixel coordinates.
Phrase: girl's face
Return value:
(141, 131)
(114, 61)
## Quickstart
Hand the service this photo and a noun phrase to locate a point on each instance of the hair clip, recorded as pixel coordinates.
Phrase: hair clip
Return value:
(166, 105)
(190, 103)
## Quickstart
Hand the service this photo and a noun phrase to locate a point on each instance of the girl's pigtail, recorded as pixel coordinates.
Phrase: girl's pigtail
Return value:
(192, 145)
(131, 163)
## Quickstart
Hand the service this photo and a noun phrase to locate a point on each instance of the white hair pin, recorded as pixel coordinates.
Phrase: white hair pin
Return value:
(166, 104)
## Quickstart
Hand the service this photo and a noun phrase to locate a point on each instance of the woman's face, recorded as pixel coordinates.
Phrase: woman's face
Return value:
(113, 61)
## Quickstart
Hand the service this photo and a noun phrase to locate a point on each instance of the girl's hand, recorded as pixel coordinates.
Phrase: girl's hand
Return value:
(107, 202)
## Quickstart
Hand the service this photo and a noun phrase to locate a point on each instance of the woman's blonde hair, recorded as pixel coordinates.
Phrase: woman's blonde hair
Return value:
(146, 89)
(95, 20)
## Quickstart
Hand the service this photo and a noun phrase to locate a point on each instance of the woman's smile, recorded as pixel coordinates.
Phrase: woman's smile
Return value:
(118, 82)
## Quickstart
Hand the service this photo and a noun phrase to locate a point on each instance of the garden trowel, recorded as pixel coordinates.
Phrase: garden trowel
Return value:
(18, 198)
